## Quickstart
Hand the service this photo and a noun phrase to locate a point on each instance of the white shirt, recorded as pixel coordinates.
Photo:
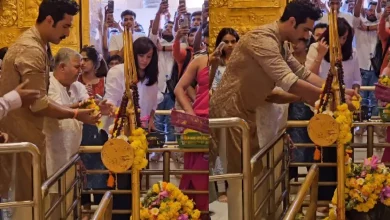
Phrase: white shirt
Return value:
(351, 67)
(270, 119)
(165, 63)
(365, 42)
(9, 102)
(348, 16)
(115, 88)
(116, 41)
(63, 137)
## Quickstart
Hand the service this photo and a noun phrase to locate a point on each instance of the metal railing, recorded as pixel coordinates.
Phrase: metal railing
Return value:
(311, 182)
(104, 211)
(60, 178)
(165, 172)
(369, 145)
(36, 203)
(272, 162)
(242, 206)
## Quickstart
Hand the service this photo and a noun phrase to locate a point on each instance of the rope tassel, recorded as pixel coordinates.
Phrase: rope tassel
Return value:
(317, 154)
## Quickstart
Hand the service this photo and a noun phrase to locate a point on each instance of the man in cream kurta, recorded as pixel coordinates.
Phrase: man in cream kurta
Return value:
(260, 61)
(28, 59)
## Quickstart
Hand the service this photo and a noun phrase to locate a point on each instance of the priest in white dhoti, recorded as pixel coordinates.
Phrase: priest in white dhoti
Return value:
(63, 137)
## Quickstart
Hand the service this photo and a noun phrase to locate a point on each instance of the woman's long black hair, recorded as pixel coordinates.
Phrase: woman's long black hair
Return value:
(347, 48)
(142, 46)
(222, 33)
(97, 59)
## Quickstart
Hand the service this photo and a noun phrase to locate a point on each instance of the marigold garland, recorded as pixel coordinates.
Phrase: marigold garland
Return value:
(165, 201)
(384, 80)
(366, 184)
(91, 104)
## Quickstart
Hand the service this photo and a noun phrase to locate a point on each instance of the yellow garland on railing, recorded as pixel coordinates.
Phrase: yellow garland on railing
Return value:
(139, 143)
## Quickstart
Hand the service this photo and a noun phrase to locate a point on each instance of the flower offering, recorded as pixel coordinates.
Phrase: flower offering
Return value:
(91, 104)
(165, 201)
(366, 185)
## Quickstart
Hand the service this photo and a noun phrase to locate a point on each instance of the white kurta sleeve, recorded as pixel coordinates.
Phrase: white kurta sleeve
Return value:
(114, 87)
(9, 102)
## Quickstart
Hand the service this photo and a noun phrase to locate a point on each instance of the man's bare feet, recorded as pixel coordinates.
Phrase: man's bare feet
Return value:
(322, 211)
(223, 198)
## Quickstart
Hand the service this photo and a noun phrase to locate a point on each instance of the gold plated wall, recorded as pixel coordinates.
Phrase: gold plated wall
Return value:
(16, 16)
(242, 15)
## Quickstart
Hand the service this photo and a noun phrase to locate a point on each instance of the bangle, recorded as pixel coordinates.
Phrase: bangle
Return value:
(163, 48)
(75, 111)
(368, 28)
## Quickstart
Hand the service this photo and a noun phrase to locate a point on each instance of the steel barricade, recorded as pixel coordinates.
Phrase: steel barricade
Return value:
(245, 203)
(104, 211)
(311, 182)
(165, 172)
(369, 145)
(36, 203)
(275, 175)
(60, 178)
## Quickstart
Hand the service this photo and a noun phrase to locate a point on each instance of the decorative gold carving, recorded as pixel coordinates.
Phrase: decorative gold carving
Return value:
(85, 13)
(27, 12)
(242, 15)
(7, 38)
(16, 16)
(8, 13)
(254, 3)
(218, 3)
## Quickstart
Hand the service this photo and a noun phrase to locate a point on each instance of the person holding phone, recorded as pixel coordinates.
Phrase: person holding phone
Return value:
(198, 69)
(226, 41)
(128, 20)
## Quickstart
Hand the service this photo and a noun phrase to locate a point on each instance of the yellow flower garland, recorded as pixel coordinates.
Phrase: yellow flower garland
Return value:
(91, 104)
(363, 187)
(384, 80)
(173, 204)
(139, 143)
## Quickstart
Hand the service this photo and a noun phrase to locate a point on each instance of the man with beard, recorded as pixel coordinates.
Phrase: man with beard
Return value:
(27, 59)
(365, 27)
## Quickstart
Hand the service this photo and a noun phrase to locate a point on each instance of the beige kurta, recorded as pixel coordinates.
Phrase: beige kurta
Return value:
(259, 61)
(25, 59)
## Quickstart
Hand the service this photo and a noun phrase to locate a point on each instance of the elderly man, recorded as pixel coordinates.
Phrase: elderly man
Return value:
(28, 59)
(63, 137)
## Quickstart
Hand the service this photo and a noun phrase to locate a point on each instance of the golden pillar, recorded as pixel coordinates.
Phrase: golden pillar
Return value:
(16, 16)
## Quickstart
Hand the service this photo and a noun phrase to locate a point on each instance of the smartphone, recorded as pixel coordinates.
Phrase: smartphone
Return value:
(206, 3)
(220, 46)
(110, 6)
(97, 96)
(184, 23)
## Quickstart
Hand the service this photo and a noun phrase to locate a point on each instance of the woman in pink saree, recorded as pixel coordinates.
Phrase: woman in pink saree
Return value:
(198, 69)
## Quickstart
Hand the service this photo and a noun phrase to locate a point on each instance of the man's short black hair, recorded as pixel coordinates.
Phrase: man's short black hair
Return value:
(372, 3)
(196, 13)
(115, 57)
(301, 10)
(319, 25)
(57, 10)
(128, 12)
